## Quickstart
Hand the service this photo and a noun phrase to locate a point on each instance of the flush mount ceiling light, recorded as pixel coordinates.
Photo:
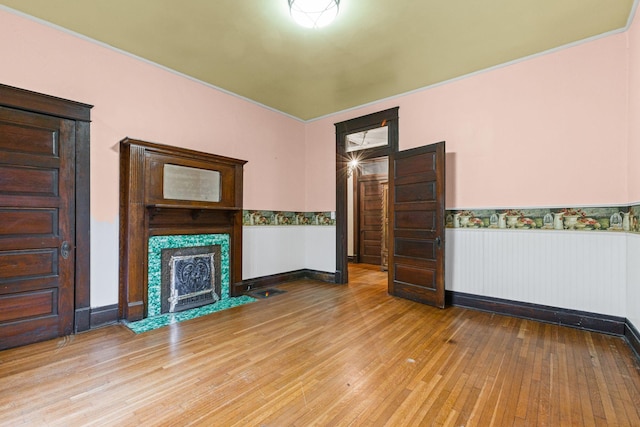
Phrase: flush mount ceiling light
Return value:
(314, 13)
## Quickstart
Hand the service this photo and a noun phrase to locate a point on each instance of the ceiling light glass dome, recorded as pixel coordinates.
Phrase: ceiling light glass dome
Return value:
(314, 13)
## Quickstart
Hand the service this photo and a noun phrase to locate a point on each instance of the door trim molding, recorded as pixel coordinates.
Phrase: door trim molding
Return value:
(358, 124)
(26, 100)
(34, 102)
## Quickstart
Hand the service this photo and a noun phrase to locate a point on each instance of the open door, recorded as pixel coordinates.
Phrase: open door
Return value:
(416, 224)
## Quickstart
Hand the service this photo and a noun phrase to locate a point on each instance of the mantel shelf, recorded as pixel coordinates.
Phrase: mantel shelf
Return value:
(155, 209)
(193, 207)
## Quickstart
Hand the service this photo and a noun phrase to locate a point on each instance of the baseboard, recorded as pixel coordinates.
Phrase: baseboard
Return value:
(633, 337)
(102, 316)
(82, 319)
(320, 276)
(275, 279)
(561, 316)
(352, 258)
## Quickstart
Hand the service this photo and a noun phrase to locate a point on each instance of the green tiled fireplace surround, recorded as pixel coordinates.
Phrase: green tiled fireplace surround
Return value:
(155, 318)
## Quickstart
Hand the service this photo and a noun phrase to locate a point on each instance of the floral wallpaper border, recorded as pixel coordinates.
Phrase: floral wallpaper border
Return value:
(619, 218)
(616, 218)
(262, 218)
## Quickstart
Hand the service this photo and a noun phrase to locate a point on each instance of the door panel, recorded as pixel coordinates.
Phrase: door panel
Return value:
(416, 244)
(370, 212)
(27, 305)
(415, 219)
(415, 192)
(18, 138)
(28, 181)
(37, 190)
(415, 250)
(14, 222)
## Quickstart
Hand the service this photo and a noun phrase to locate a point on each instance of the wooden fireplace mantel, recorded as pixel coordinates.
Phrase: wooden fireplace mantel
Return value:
(145, 212)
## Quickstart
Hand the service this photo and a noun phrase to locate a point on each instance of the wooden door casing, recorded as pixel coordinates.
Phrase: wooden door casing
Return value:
(384, 253)
(371, 121)
(44, 202)
(417, 244)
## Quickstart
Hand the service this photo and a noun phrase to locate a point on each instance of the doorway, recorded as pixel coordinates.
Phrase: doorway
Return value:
(358, 140)
(415, 207)
(367, 216)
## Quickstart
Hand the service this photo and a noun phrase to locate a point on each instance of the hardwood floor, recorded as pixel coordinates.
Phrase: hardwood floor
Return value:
(326, 355)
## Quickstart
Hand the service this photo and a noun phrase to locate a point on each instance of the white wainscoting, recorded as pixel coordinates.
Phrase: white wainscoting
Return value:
(271, 250)
(104, 263)
(590, 271)
(583, 271)
(320, 251)
(633, 279)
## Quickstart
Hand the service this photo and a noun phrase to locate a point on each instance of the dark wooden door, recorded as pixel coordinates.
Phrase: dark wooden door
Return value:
(416, 245)
(37, 184)
(370, 218)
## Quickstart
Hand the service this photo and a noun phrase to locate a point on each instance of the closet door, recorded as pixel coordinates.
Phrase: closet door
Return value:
(37, 227)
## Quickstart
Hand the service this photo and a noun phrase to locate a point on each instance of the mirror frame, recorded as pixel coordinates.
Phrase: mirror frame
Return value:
(371, 121)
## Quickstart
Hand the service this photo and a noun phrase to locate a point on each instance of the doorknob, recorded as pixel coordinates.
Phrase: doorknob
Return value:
(438, 241)
(65, 249)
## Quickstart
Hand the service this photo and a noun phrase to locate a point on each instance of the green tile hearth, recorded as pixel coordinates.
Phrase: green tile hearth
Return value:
(157, 319)
(161, 320)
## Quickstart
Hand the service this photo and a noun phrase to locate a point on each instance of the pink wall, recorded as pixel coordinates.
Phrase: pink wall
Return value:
(549, 131)
(554, 130)
(632, 296)
(136, 99)
(633, 155)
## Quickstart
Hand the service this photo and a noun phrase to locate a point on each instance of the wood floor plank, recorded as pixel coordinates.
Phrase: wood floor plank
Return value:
(323, 354)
